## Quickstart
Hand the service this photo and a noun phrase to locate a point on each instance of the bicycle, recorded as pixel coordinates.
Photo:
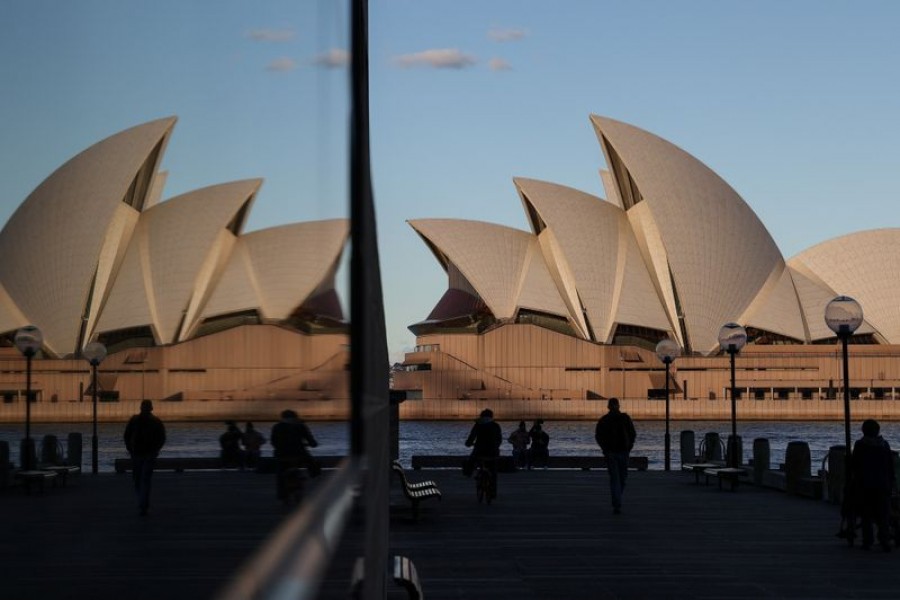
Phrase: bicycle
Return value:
(485, 480)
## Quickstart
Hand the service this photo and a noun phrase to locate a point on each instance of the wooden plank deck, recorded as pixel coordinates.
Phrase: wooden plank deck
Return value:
(550, 534)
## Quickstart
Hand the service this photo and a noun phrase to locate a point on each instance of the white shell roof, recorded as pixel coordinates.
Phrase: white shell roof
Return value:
(718, 251)
(865, 266)
(492, 258)
(52, 244)
(277, 269)
(176, 254)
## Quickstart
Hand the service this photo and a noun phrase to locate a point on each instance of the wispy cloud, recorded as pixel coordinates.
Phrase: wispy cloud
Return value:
(282, 65)
(507, 35)
(333, 59)
(445, 58)
(498, 64)
(271, 35)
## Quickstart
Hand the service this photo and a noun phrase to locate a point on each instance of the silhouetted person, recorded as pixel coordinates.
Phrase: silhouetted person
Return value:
(253, 443)
(520, 440)
(290, 437)
(485, 439)
(539, 453)
(615, 435)
(230, 444)
(145, 435)
(872, 469)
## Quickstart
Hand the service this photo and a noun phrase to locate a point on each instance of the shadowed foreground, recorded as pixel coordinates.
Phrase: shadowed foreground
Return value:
(551, 534)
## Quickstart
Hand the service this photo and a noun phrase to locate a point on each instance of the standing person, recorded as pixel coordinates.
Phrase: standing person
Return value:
(520, 440)
(485, 440)
(540, 445)
(230, 444)
(145, 435)
(872, 479)
(253, 442)
(615, 435)
(290, 437)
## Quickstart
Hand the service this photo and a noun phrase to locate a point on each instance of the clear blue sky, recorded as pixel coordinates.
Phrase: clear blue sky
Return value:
(793, 103)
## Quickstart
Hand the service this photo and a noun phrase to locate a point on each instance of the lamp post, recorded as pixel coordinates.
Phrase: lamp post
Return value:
(94, 353)
(732, 338)
(28, 341)
(844, 315)
(667, 351)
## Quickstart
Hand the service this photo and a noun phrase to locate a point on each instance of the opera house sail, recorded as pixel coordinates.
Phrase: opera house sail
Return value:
(191, 307)
(547, 322)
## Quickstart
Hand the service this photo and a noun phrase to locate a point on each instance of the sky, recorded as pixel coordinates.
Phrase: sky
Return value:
(794, 104)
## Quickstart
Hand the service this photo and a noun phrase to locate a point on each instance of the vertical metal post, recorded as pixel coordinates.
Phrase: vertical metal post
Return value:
(668, 440)
(28, 445)
(94, 443)
(732, 444)
(845, 337)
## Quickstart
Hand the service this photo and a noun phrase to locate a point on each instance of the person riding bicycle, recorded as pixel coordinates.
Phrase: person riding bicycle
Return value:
(486, 437)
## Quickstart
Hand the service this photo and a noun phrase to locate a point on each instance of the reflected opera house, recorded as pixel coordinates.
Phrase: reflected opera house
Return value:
(550, 322)
(194, 311)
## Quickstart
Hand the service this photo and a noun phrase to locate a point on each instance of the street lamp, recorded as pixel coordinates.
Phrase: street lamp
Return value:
(667, 351)
(844, 315)
(732, 338)
(28, 341)
(94, 353)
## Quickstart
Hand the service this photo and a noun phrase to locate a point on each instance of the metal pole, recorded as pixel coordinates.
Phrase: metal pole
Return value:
(668, 439)
(732, 445)
(28, 446)
(94, 443)
(845, 336)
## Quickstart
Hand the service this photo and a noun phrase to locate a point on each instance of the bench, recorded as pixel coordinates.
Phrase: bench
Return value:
(729, 474)
(700, 468)
(214, 463)
(505, 463)
(416, 492)
(405, 574)
(63, 472)
(31, 477)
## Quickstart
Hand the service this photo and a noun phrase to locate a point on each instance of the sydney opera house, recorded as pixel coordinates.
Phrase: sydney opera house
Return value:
(190, 307)
(550, 322)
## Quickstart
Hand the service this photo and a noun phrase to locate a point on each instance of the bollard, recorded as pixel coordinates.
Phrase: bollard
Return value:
(711, 446)
(4, 464)
(836, 468)
(27, 456)
(688, 452)
(50, 450)
(761, 459)
(797, 465)
(735, 445)
(73, 449)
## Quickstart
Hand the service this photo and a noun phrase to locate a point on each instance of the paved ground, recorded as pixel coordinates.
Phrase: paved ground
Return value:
(551, 534)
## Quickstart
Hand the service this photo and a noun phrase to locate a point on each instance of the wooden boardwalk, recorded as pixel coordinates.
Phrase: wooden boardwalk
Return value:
(551, 534)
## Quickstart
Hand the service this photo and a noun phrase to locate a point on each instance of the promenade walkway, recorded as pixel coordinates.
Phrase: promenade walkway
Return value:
(551, 534)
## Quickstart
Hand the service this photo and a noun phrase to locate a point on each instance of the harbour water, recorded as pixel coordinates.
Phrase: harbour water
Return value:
(447, 437)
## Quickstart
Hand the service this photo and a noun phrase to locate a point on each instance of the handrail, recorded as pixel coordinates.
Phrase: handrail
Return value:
(291, 562)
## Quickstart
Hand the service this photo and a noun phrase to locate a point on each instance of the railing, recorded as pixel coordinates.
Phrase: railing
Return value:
(292, 562)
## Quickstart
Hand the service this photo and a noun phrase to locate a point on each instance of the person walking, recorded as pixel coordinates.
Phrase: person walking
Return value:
(539, 453)
(253, 442)
(615, 435)
(145, 435)
(290, 437)
(485, 439)
(872, 479)
(520, 440)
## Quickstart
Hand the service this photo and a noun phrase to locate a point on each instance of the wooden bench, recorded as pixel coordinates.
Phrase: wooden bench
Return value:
(416, 492)
(405, 574)
(31, 477)
(505, 463)
(180, 464)
(729, 474)
(63, 472)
